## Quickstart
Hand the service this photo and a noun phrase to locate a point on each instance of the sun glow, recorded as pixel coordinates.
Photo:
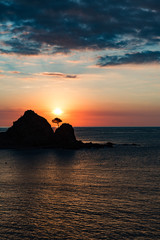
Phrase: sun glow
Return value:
(57, 111)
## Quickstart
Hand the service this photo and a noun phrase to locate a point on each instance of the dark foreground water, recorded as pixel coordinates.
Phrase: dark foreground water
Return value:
(111, 193)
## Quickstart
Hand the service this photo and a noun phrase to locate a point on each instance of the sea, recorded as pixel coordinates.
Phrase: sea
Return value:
(86, 194)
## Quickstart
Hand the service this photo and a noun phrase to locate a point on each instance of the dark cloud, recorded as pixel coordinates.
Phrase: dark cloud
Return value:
(57, 74)
(19, 47)
(71, 76)
(132, 58)
(60, 50)
(61, 26)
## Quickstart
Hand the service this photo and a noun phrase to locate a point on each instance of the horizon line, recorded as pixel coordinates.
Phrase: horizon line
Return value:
(94, 126)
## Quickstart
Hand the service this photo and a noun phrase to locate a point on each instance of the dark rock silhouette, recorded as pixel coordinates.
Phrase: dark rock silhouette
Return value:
(64, 135)
(32, 130)
(29, 130)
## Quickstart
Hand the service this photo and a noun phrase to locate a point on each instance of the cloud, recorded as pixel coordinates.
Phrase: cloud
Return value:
(14, 72)
(11, 72)
(66, 25)
(21, 47)
(132, 58)
(57, 74)
(71, 76)
(75, 61)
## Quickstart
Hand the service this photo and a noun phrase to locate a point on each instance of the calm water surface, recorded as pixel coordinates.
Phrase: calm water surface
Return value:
(111, 193)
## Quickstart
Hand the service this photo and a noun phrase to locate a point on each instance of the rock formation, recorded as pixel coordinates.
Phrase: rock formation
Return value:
(32, 130)
(64, 136)
(29, 130)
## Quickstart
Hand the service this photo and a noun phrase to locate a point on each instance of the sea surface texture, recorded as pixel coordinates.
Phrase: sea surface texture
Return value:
(107, 193)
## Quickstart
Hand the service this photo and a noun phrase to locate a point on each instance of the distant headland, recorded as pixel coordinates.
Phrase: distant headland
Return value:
(32, 130)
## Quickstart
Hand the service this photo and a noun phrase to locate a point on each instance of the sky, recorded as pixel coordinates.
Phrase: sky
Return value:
(96, 60)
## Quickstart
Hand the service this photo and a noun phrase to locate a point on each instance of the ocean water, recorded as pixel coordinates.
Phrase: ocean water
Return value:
(108, 193)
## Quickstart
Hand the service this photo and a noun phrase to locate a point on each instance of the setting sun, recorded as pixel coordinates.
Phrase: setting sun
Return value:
(57, 111)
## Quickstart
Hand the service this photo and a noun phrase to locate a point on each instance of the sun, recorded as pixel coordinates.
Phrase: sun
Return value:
(57, 111)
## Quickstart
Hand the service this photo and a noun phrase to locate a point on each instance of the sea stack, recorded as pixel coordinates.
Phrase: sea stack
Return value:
(32, 130)
(64, 136)
(29, 130)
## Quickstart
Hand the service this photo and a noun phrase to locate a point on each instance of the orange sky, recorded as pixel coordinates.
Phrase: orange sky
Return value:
(116, 96)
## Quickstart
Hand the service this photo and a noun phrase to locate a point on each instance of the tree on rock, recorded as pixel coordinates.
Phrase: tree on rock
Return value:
(57, 121)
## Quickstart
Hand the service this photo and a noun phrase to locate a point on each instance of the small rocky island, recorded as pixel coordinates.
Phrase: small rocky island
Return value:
(32, 130)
